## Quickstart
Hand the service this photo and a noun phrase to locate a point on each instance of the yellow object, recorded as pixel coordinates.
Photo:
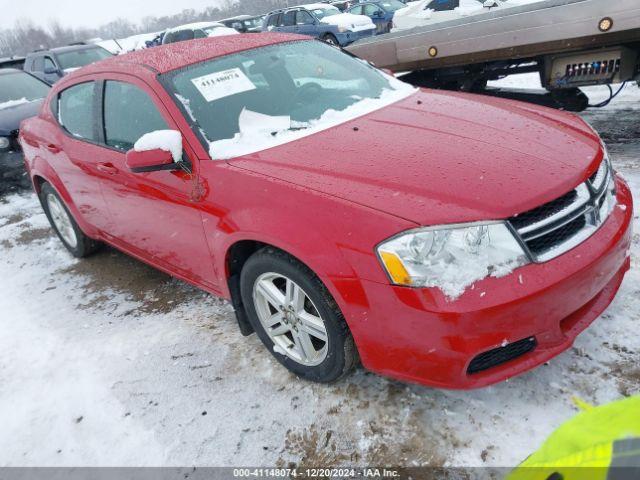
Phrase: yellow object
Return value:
(589, 445)
(396, 269)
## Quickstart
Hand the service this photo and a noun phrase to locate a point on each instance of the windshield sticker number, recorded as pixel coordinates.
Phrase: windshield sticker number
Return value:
(223, 84)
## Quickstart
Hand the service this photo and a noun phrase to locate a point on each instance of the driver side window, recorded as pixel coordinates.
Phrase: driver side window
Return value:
(129, 113)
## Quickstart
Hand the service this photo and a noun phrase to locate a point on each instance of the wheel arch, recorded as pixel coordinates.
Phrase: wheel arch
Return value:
(237, 255)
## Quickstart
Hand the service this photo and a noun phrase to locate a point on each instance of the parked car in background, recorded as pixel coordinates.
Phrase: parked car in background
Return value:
(245, 23)
(321, 20)
(380, 12)
(196, 30)
(21, 95)
(12, 62)
(51, 65)
(323, 198)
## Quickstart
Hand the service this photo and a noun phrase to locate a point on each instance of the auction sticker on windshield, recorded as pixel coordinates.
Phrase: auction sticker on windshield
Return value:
(223, 84)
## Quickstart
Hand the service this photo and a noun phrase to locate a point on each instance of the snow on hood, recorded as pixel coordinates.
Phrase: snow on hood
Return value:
(349, 21)
(222, 31)
(13, 103)
(260, 132)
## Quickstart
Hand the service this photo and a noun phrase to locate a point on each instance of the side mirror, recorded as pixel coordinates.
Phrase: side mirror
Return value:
(159, 150)
(51, 71)
(378, 13)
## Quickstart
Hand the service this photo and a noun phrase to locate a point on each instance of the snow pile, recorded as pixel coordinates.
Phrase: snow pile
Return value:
(349, 21)
(259, 132)
(221, 32)
(166, 140)
(13, 103)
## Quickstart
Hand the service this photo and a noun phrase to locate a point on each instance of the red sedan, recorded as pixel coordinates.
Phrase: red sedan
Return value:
(442, 238)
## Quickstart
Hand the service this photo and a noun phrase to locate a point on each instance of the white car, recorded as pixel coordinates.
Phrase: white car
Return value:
(196, 30)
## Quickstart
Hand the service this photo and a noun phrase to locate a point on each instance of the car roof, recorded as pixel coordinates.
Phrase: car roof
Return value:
(195, 26)
(239, 17)
(165, 58)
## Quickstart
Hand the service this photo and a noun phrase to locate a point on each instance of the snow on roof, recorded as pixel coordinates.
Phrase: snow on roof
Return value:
(164, 58)
(313, 6)
(195, 26)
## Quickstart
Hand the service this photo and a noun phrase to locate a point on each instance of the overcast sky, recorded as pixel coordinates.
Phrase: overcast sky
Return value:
(90, 13)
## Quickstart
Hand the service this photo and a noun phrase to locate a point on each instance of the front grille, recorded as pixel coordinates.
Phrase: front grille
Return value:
(554, 228)
(501, 355)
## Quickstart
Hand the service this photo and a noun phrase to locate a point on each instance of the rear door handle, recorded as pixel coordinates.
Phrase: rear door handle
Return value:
(107, 168)
(52, 148)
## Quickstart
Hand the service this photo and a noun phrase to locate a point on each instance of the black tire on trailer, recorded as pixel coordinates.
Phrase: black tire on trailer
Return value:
(65, 226)
(296, 317)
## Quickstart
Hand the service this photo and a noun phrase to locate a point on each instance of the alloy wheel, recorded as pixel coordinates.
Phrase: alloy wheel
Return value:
(62, 221)
(290, 319)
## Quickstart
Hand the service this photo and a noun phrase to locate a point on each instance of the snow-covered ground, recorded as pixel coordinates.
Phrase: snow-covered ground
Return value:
(106, 361)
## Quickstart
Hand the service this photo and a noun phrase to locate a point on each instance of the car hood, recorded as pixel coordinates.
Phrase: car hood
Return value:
(11, 117)
(348, 20)
(441, 157)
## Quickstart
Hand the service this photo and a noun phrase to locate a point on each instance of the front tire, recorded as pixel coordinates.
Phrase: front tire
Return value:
(296, 318)
(65, 226)
(331, 40)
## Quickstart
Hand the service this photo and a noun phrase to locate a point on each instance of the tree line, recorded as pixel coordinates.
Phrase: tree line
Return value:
(27, 36)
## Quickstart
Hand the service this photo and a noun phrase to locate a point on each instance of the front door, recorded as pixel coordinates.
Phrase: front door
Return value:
(155, 214)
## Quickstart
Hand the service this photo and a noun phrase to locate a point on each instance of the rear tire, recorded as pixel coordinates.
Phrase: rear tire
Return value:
(65, 226)
(285, 297)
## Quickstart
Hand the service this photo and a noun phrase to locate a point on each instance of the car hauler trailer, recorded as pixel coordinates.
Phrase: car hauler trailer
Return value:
(571, 43)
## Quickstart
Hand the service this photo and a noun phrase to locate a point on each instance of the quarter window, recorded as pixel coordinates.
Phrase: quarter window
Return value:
(75, 110)
(129, 113)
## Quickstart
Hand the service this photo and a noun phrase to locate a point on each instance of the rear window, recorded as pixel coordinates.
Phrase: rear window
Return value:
(19, 86)
(75, 110)
(80, 58)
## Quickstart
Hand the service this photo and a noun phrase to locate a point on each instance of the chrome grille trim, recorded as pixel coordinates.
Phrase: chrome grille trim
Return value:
(555, 228)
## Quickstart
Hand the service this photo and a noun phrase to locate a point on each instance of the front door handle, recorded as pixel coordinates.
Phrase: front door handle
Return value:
(107, 168)
(52, 148)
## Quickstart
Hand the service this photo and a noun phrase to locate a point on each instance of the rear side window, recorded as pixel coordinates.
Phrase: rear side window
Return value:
(129, 113)
(273, 20)
(75, 110)
(289, 19)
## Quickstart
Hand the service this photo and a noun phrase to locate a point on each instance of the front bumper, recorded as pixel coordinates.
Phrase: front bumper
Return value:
(13, 175)
(417, 335)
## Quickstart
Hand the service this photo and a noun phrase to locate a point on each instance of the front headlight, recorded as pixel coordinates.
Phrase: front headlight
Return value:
(4, 143)
(342, 29)
(451, 258)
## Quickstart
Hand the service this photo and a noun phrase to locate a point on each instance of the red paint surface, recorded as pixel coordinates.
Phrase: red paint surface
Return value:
(330, 198)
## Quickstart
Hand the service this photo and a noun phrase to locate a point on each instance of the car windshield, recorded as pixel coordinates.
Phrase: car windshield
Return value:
(392, 5)
(20, 88)
(247, 101)
(322, 12)
(253, 22)
(80, 58)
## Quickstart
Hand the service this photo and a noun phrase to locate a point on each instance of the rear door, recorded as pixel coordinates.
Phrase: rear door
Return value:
(154, 214)
(377, 15)
(288, 22)
(73, 151)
